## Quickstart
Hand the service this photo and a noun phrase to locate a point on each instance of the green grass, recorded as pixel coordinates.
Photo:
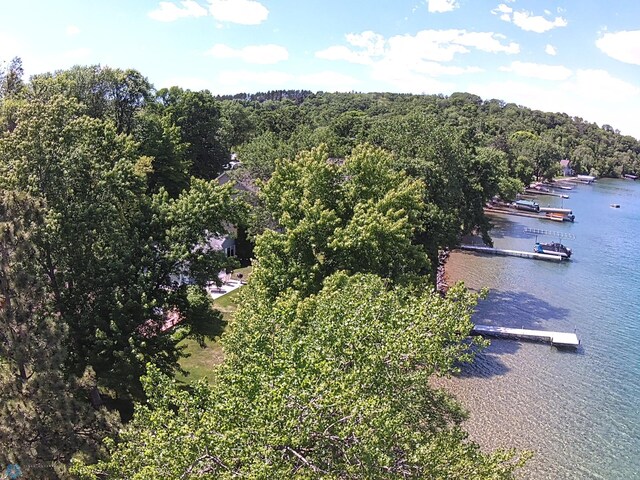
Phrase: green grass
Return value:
(201, 361)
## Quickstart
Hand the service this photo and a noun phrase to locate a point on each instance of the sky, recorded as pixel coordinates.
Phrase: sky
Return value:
(581, 57)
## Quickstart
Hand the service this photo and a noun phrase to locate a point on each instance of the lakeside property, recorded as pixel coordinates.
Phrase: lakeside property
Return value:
(579, 413)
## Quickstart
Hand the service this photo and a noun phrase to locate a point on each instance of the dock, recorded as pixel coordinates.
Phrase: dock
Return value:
(515, 213)
(534, 192)
(511, 253)
(557, 339)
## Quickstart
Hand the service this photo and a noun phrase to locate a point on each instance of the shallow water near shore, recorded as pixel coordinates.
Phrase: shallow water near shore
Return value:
(579, 411)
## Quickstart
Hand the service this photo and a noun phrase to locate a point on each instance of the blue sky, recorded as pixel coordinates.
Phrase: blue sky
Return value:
(581, 57)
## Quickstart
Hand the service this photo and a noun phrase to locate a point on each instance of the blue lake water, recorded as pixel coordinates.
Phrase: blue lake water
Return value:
(579, 411)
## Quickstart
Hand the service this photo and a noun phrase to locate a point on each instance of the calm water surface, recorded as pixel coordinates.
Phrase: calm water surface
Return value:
(579, 411)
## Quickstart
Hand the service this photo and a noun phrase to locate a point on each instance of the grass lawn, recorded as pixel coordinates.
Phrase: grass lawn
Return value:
(201, 361)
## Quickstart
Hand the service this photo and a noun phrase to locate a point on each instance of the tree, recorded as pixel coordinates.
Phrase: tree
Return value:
(105, 93)
(44, 417)
(458, 180)
(539, 154)
(237, 124)
(11, 82)
(11, 89)
(201, 129)
(259, 155)
(333, 386)
(110, 253)
(359, 215)
(161, 141)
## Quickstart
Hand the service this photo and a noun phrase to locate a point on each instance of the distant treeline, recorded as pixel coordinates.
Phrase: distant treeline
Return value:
(592, 149)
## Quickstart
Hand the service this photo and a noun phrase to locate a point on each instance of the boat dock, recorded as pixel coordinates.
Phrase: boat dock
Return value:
(503, 211)
(557, 339)
(532, 191)
(511, 253)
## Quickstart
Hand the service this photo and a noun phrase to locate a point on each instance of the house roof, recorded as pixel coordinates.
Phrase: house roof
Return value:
(238, 184)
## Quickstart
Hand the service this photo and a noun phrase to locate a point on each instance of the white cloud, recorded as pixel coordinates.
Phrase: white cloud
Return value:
(623, 46)
(244, 12)
(594, 95)
(536, 23)
(340, 52)
(528, 21)
(538, 70)
(487, 42)
(72, 31)
(426, 45)
(504, 11)
(440, 6)
(411, 63)
(550, 50)
(372, 43)
(602, 85)
(169, 11)
(257, 54)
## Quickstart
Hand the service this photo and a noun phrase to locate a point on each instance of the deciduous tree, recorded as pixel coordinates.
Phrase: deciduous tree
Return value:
(332, 386)
(358, 215)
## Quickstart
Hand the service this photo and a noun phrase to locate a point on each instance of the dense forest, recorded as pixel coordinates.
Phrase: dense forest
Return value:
(110, 197)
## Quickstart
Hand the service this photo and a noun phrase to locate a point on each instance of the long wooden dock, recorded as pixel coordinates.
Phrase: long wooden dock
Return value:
(511, 253)
(502, 211)
(534, 192)
(558, 339)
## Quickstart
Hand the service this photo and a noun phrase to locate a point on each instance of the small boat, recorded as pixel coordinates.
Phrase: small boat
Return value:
(527, 205)
(615, 205)
(553, 248)
(560, 217)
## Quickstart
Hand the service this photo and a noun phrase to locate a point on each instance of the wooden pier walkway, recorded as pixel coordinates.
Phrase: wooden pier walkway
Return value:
(502, 211)
(534, 192)
(558, 339)
(511, 253)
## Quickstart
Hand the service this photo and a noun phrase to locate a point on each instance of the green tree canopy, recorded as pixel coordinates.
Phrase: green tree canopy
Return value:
(201, 129)
(333, 386)
(111, 254)
(359, 215)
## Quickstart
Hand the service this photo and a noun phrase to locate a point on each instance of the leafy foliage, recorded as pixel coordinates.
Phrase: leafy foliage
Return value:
(359, 215)
(110, 252)
(333, 386)
(197, 114)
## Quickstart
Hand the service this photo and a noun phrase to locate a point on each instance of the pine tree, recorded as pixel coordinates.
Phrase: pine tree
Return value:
(44, 419)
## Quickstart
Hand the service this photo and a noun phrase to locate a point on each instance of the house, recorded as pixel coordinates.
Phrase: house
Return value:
(565, 167)
(226, 244)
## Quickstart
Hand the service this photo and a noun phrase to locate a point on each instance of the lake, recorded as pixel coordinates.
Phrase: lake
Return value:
(579, 411)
